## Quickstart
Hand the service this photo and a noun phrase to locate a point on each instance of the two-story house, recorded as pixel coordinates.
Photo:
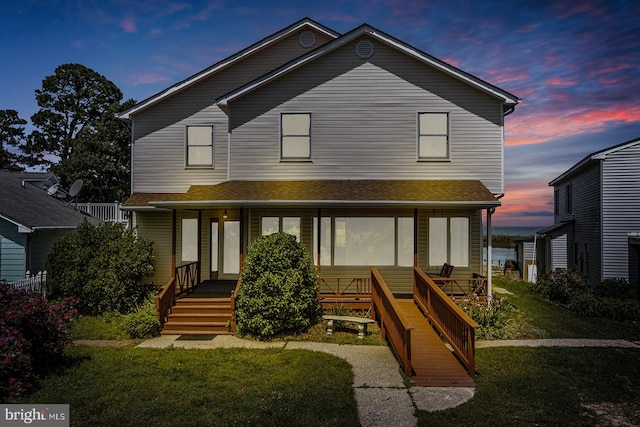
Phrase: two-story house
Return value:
(369, 150)
(596, 228)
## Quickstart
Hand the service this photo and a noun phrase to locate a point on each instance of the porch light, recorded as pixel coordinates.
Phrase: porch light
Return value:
(224, 215)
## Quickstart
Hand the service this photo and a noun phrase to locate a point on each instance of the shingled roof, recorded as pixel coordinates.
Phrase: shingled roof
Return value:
(324, 193)
(32, 208)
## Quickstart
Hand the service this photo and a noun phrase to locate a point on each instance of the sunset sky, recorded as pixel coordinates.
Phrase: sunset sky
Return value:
(574, 63)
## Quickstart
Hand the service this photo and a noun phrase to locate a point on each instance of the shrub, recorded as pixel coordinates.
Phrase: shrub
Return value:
(142, 323)
(590, 305)
(278, 291)
(35, 333)
(102, 266)
(561, 285)
(492, 316)
(615, 288)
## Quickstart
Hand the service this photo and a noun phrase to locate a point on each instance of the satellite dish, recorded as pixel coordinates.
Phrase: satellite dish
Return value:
(53, 189)
(75, 188)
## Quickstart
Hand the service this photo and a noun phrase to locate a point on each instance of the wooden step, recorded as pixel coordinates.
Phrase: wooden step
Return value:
(218, 309)
(199, 317)
(183, 328)
(203, 300)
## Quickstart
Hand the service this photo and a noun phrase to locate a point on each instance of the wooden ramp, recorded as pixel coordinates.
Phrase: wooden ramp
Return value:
(433, 364)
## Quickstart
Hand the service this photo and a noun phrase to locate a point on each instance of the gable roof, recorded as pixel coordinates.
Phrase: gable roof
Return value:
(509, 100)
(323, 193)
(31, 208)
(592, 158)
(303, 23)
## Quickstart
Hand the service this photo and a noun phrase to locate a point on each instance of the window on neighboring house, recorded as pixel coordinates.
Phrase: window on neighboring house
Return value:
(556, 201)
(433, 136)
(568, 196)
(295, 136)
(189, 239)
(199, 146)
(449, 241)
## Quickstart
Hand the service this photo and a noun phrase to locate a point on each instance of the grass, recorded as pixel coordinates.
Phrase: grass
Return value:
(548, 320)
(127, 386)
(98, 328)
(514, 385)
(550, 387)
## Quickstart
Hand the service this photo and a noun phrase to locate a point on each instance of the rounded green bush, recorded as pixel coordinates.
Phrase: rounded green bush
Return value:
(102, 267)
(279, 288)
(142, 323)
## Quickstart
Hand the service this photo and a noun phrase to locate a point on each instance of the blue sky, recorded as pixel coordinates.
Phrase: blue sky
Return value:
(575, 64)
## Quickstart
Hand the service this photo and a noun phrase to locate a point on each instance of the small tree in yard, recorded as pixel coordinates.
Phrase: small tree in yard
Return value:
(278, 292)
(102, 267)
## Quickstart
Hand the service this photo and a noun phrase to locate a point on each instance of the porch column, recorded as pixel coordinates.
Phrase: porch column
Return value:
(173, 241)
(490, 212)
(318, 242)
(199, 256)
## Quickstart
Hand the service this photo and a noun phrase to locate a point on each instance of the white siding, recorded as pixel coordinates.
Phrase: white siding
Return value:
(559, 252)
(159, 148)
(620, 208)
(364, 126)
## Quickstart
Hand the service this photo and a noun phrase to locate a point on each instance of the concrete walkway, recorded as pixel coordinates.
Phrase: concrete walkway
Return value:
(381, 395)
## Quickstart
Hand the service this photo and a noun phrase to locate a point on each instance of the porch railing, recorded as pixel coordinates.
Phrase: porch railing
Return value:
(184, 279)
(106, 211)
(447, 318)
(351, 287)
(394, 326)
(165, 300)
(33, 283)
(458, 287)
(187, 277)
(234, 296)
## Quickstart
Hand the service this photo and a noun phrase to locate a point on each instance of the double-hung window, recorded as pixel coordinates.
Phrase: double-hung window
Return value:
(433, 136)
(295, 136)
(199, 146)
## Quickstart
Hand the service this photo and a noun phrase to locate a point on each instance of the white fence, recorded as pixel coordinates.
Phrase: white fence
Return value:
(36, 283)
(106, 211)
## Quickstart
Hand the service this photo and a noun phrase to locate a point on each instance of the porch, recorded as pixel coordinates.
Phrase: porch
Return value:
(414, 327)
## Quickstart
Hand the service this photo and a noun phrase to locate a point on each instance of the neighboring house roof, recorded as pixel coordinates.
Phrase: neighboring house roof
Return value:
(324, 193)
(592, 158)
(31, 208)
(507, 98)
(303, 23)
(554, 227)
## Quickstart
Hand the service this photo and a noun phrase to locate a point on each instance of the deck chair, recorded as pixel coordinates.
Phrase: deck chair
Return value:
(445, 272)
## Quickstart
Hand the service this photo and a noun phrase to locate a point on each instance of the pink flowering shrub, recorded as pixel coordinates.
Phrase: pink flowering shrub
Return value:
(34, 335)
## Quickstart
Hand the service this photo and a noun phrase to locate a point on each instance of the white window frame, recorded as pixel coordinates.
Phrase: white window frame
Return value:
(284, 135)
(188, 146)
(424, 134)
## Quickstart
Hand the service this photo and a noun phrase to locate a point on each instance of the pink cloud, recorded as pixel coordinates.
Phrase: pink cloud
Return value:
(567, 9)
(542, 126)
(528, 28)
(208, 11)
(559, 81)
(128, 24)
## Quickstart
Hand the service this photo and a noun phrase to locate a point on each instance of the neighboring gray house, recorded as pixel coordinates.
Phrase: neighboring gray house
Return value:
(596, 227)
(31, 221)
(369, 150)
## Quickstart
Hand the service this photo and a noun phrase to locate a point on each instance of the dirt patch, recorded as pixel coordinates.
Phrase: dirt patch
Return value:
(615, 414)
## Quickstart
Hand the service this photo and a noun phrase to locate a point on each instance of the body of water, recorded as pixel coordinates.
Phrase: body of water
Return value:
(499, 255)
(515, 230)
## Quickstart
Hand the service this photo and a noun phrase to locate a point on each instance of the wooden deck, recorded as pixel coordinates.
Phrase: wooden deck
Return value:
(433, 364)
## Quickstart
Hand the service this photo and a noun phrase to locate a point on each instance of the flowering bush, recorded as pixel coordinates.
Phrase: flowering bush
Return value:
(493, 316)
(34, 334)
(561, 285)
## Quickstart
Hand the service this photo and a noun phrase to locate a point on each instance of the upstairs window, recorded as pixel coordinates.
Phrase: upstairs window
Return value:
(433, 136)
(295, 136)
(199, 146)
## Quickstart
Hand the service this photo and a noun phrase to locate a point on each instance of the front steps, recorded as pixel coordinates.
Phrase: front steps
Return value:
(199, 316)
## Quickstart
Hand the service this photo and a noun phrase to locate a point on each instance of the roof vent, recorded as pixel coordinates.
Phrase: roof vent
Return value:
(364, 49)
(307, 39)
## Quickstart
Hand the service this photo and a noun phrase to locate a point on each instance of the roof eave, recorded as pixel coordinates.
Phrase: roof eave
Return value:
(229, 203)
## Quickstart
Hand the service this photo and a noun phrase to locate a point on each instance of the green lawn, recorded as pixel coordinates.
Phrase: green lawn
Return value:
(127, 386)
(514, 386)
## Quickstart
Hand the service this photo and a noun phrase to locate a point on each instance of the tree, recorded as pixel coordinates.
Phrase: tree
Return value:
(77, 134)
(11, 134)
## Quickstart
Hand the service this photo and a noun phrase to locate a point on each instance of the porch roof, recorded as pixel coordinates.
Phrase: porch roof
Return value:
(441, 193)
